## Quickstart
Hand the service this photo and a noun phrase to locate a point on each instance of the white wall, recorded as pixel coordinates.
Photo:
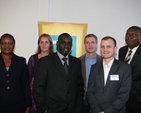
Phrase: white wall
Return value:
(104, 17)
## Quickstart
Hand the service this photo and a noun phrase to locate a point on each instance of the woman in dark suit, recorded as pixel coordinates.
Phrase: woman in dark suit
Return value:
(14, 79)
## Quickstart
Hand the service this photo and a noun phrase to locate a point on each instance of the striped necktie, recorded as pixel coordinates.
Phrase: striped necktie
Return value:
(127, 59)
(65, 64)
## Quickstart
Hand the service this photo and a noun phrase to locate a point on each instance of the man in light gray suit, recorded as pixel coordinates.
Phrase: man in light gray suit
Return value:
(109, 82)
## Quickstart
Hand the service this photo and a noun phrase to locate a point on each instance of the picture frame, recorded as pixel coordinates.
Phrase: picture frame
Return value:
(76, 30)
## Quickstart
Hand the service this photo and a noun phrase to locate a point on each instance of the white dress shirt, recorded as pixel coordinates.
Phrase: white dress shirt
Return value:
(107, 68)
(133, 52)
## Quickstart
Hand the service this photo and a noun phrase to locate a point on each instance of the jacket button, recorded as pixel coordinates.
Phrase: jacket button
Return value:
(8, 87)
(7, 75)
(7, 81)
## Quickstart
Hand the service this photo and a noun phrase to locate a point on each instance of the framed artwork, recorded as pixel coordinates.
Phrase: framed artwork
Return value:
(77, 31)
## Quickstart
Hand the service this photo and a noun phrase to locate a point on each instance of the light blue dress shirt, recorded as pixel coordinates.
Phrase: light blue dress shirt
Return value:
(89, 62)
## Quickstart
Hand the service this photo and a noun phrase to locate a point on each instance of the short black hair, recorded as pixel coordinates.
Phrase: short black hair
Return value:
(64, 35)
(9, 35)
(136, 28)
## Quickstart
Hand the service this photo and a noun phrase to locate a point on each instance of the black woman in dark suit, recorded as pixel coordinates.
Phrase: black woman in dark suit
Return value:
(14, 79)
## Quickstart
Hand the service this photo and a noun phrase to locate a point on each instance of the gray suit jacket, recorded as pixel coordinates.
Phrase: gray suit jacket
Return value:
(112, 97)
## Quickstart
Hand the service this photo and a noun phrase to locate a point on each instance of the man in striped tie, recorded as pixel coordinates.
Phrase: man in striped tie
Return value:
(133, 41)
(128, 57)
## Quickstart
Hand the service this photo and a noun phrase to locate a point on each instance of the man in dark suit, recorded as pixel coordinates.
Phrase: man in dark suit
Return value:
(109, 82)
(133, 40)
(88, 59)
(59, 90)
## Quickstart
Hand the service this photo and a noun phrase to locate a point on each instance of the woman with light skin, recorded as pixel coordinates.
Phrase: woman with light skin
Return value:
(45, 47)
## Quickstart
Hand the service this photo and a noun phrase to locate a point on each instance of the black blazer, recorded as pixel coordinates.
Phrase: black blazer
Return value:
(112, 97)
(134, 102)
(55, 91)
(14, 83)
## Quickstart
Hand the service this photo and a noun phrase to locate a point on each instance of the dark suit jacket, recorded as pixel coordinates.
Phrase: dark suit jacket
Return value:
(14, 83)
(82, 58)
(112, 97)
(134, 103)
(55, 91)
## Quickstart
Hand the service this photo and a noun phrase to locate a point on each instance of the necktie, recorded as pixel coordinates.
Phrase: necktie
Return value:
(65, 64)
(128, 56)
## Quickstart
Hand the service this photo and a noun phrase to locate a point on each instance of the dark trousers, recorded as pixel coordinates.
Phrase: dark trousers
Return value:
(86, 106)
(14, 108)
(132, 107)
(66, 110)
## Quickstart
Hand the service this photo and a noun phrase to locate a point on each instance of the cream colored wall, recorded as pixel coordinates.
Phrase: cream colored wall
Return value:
(104, 17)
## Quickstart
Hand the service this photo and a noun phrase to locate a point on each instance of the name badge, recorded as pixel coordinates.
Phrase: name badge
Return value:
(114, 77)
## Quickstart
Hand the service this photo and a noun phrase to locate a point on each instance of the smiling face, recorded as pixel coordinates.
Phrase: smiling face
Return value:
(7, 45)
(44, 44)
(132, 38)
(64, 44)
(107, 48)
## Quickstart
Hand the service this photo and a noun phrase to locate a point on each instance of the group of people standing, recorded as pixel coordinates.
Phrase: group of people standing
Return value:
(112, 86)
(60, 83)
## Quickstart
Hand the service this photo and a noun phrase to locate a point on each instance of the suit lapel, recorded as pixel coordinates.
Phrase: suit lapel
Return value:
(84, 67)
(14, 63)
(2, 65)
(71, 65)
(101, 73)
(58, 64)
(99, 58)
(113, 70)
(123, 54)
(137, 56)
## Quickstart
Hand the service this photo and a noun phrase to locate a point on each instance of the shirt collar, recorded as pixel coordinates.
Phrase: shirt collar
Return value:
(61, 56)
(133, 50)
(109, 64)
(91, 58)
